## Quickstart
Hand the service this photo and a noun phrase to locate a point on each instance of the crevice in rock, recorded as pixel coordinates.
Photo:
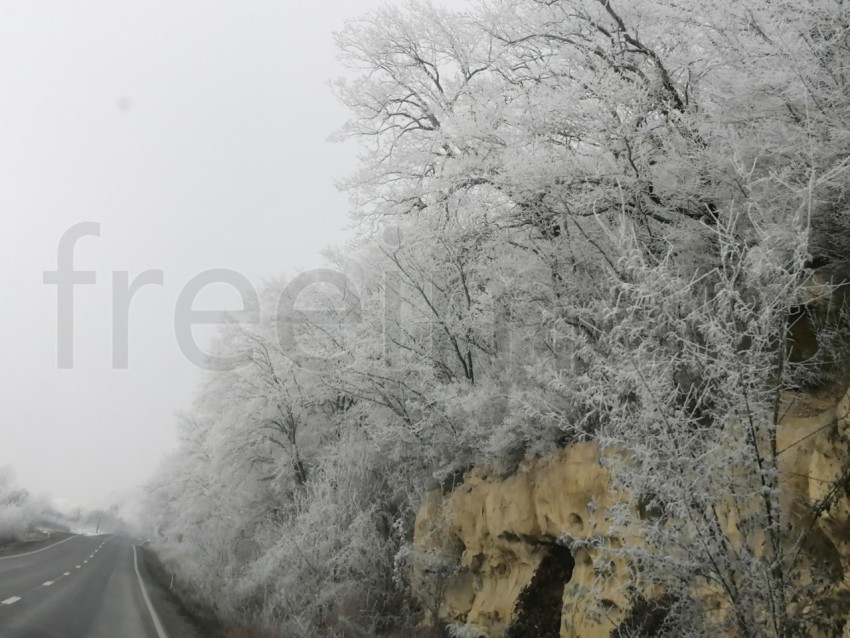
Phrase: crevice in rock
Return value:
(528, 539)
(537, 613)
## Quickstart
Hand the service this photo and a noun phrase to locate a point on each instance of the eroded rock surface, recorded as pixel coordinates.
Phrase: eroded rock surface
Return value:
(503, 531)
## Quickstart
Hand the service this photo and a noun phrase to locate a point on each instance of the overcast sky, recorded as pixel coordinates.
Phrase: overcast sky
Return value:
(195, 134)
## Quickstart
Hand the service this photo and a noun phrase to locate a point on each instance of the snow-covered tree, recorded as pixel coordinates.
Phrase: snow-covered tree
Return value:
(582, 219)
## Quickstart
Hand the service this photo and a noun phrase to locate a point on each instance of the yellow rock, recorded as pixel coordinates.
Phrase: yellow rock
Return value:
(497, 530)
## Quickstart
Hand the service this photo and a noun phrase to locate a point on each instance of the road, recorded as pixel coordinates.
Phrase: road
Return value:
(83, 587)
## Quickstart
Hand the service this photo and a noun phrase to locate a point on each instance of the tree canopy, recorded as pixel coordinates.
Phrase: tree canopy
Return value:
(580, 220)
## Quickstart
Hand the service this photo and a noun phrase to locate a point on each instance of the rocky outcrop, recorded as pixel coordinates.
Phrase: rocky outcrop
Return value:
(506, 536)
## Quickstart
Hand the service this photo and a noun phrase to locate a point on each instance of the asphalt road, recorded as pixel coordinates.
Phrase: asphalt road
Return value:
(83, 587)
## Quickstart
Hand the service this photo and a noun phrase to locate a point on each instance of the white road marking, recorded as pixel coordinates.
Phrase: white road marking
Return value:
(10, 601)
(84, 562)
(160, 631)
(78, 566)
(67, 574)
(47, 583)
(43, 549)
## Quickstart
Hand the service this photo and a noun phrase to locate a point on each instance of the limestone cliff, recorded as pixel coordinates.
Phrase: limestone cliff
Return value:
(509, 534)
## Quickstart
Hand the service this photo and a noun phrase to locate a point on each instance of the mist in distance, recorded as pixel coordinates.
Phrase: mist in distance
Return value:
(196, 138)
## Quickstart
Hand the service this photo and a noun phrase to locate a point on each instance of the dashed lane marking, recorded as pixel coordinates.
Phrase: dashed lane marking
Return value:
(47, 583)
(10, 601)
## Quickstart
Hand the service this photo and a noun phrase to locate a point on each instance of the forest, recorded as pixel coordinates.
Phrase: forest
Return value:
(579, 220)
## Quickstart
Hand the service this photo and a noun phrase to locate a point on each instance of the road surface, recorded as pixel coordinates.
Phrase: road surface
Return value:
(83, 587)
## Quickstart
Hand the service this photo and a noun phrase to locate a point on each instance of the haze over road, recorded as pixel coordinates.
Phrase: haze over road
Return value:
(85, 587)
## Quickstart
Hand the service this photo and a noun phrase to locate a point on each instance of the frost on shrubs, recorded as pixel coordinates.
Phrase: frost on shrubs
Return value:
(641, 178)
(329, 563)
(698, 355)
(15, 521)
(432, 571)
(466, 631)
(18, 512)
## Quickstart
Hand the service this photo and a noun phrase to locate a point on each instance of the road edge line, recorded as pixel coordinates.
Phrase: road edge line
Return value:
(43, 549)
(160, 631)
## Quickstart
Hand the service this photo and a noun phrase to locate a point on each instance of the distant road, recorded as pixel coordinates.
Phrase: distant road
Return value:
(82, 587)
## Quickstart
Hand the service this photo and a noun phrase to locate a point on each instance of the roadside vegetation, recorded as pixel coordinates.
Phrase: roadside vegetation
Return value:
(25, 517)
(22, 516)
(626, 222)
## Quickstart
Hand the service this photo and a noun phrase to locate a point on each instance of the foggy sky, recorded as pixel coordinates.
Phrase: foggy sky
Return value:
(195, 134)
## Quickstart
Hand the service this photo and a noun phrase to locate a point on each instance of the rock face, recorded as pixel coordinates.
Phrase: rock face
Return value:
(507, 537)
